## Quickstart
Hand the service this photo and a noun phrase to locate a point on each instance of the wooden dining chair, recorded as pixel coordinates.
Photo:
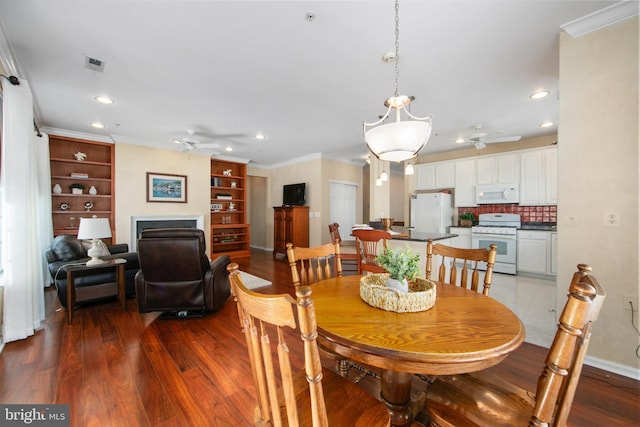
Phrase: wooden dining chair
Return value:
(367, 247)
(311, 396)
(469, 259)
(348, 249)
(310, 265)
(482, 399)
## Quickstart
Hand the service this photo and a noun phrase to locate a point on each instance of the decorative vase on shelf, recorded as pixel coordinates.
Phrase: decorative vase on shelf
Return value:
(57, 189)
(93, 190)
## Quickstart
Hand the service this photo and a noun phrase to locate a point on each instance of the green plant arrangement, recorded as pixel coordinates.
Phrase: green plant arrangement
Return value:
(401, 264)
(467, 217)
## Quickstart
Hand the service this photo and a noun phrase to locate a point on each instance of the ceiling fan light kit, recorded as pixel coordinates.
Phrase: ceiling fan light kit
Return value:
(398, 140)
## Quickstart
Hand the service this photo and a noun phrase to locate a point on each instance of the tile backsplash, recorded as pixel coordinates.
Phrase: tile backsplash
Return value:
(527, 213)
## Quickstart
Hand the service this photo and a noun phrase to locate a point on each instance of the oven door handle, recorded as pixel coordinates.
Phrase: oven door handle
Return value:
(493, 236)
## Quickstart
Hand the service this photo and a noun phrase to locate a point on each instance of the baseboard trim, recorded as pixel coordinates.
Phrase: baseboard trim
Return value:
(616, 368)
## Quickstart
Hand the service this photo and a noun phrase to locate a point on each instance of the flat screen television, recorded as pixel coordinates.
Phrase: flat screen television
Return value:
(293, 194)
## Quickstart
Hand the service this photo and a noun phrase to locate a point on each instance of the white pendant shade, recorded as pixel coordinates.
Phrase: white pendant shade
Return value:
(398, 141)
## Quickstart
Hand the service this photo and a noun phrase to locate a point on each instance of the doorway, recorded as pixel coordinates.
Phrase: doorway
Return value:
(342, 206)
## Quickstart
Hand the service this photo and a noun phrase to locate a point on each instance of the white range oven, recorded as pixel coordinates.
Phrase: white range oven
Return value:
(501, 230)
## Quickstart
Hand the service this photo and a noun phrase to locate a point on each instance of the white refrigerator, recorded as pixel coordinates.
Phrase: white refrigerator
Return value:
(431, 212)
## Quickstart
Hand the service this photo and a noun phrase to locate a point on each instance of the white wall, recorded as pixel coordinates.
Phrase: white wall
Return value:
(598, 170)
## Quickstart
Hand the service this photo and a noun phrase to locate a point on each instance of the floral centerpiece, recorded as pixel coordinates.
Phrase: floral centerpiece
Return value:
(400, 289)
(402, 266)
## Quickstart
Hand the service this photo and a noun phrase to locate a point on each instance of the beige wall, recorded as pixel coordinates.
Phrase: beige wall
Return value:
(598, 170)
(132, 164)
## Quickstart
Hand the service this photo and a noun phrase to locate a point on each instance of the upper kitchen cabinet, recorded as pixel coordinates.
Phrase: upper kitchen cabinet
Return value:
(500, 169)
(539, 177)
(465, 183)
(435, 176)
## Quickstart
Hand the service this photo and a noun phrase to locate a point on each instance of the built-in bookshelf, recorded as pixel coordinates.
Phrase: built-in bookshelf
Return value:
(82, 183)
(229, 228)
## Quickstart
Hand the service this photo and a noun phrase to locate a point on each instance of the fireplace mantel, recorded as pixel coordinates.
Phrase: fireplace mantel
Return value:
(165, 220)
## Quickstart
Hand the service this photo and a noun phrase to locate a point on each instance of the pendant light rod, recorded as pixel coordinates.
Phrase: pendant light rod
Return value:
(398, 140)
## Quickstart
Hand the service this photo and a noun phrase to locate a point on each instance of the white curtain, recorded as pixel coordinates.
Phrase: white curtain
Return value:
(26, 228)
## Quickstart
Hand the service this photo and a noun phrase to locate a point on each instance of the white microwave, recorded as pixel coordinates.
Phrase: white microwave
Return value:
(497, 193)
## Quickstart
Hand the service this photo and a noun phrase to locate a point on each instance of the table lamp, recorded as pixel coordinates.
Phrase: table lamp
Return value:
(94, 229)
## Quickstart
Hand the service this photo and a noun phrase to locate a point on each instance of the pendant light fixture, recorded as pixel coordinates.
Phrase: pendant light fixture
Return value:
(398, 140)
(408, 170)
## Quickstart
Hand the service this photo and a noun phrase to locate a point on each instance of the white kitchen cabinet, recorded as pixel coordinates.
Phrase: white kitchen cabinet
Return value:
(425, 176)
(465, 183)
(553, 254)
(551, 175)
(445, 175)
(464, 237)
(534, 248)
(435, 176)
(498, 169)
(539, 177)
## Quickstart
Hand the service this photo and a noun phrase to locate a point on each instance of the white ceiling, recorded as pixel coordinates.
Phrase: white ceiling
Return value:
(237, 68)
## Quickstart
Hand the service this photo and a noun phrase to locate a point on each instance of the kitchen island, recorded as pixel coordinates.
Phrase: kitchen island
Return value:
(417, 242)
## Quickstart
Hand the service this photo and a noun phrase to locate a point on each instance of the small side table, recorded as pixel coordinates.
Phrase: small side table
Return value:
(71, 270)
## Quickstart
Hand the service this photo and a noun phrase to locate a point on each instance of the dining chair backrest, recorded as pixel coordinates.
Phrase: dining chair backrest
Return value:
(482, 399)
(469, 276)
(310, 265)
(311, 396)
(367, 242)
(347, 247)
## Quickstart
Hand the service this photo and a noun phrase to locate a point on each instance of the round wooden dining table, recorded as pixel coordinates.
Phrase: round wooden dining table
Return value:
(463, 332)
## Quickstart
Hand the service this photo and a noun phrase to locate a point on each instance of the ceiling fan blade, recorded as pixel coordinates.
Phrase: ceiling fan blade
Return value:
(505, 139)
(210, 145)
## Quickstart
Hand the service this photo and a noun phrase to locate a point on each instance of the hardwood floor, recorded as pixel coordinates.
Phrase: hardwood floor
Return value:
(119, 368)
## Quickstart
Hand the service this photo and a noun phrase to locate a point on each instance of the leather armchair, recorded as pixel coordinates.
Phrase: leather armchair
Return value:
(94, 284)
(176, 274)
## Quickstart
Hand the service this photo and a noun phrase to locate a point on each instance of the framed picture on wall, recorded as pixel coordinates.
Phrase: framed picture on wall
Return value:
(166, 188)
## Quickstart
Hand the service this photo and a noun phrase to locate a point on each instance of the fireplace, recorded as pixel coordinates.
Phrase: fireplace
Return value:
(139, 223)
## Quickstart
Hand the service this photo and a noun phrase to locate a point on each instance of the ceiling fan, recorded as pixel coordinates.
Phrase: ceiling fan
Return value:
(190, 143)
(479, 138)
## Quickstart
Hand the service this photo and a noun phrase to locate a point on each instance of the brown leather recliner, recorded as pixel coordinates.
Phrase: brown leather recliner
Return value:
(176, 275)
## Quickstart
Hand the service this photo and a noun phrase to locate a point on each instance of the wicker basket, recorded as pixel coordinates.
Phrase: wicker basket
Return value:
(374, 291)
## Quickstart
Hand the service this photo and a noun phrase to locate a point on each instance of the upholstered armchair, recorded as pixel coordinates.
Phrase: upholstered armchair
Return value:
(176, 274)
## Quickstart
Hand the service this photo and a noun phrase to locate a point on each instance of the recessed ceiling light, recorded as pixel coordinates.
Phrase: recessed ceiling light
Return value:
(259, 136)
(540, 94)
(177, 141)
(98, 125)
(228, 149)
(104, 100)
(460, 140)
(547, 124)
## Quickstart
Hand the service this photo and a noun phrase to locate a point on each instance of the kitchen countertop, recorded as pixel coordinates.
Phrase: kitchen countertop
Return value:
(538, 226)
(417, 236)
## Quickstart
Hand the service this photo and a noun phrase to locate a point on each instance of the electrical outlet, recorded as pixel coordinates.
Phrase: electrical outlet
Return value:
(630, 300)
(611, 218)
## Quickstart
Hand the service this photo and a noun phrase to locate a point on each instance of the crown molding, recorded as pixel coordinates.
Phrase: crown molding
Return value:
(602, 18)
(79, 135)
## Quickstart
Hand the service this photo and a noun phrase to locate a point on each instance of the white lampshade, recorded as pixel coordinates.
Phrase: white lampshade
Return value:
(94, 228)
(398, 141)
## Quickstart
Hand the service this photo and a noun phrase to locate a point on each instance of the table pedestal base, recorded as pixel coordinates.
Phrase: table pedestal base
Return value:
(395, 390)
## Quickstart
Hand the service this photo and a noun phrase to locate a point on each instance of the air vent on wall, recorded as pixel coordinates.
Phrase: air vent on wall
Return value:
(94, 64)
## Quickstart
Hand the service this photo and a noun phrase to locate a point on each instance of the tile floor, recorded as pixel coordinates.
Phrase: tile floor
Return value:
(533, 300)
